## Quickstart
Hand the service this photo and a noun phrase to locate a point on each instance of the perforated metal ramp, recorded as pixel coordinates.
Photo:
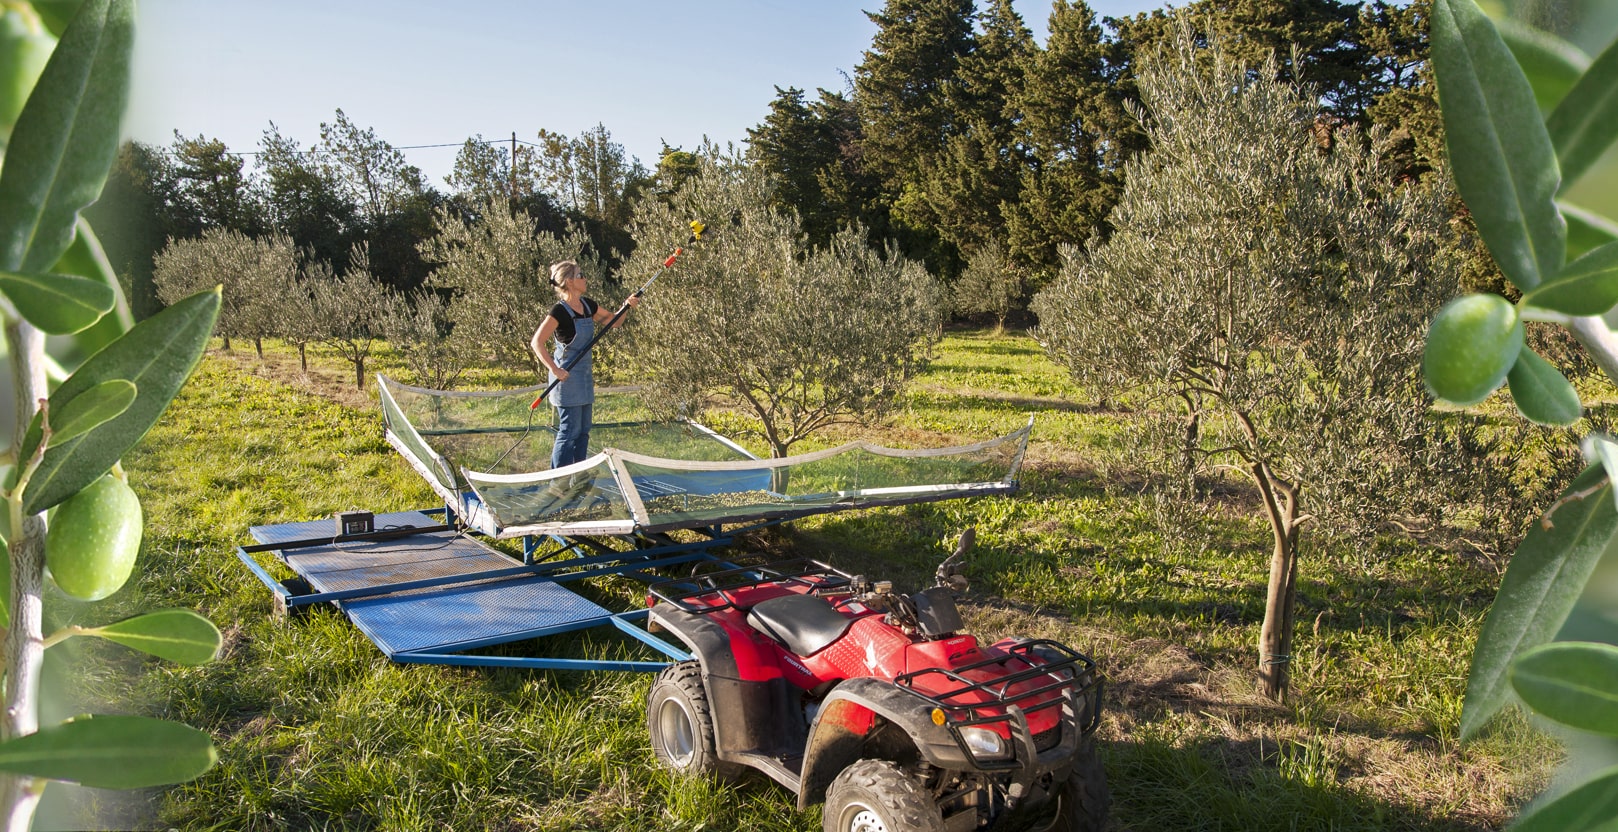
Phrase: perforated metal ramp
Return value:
(422, 596)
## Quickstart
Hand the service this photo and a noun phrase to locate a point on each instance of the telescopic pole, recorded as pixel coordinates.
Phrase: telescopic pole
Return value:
(696, 233)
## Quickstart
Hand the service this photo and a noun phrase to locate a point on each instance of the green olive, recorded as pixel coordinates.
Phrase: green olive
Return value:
(1471, 345)
(93, 539)
(25, 46)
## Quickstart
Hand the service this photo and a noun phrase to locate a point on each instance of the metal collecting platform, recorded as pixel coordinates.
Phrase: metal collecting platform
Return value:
(425, 592)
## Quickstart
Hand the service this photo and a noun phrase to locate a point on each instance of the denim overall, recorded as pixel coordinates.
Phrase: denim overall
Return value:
(575, 397)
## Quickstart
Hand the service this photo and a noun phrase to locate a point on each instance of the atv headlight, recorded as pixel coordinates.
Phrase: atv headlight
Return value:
(985, 744)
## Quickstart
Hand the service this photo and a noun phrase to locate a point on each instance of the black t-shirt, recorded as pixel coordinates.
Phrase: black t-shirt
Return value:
(564, 316)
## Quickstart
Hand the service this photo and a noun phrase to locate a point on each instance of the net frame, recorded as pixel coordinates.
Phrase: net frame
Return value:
(607, 492)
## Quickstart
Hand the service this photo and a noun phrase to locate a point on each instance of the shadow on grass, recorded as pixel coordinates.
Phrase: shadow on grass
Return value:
(1164, 780)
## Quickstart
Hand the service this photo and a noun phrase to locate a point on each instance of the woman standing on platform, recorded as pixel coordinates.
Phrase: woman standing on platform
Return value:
(572, 322)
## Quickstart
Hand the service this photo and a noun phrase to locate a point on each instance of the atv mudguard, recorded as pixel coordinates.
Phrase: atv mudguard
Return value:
(755, 711)
(845, 721)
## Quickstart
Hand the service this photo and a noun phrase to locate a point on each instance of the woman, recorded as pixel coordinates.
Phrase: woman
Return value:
(572, 321)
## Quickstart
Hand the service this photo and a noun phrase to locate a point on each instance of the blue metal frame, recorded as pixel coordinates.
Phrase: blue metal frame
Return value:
(591, 558)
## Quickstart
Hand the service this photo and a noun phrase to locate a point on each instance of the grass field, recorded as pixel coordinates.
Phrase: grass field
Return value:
(317, 730)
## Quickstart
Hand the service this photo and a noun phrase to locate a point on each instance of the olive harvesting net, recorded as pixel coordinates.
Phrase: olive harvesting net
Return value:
(487, 454)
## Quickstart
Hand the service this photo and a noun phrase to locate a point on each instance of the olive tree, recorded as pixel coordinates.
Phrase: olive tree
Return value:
(293, 316)
(255, 275)
(418, 327)
(495, 267)
(1268, 293)
(349, 309)
(800, 337)
(992, 284)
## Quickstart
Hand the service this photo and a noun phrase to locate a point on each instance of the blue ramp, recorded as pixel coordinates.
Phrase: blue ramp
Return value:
(424, 596)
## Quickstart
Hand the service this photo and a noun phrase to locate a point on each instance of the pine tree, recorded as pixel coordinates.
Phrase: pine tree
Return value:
(1326, 33)
(901, 87)
(796, 146)
(980, 169)
(1078, 133)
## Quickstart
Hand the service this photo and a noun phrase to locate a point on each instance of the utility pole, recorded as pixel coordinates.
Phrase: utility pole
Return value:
(512, 173)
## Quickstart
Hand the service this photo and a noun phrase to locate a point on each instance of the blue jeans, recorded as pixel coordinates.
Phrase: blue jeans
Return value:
(572, 435)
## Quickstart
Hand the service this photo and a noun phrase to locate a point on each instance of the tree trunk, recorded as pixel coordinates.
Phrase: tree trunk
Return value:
(258, 345)
(359, 373)
(303, 358)
(24, 640)
(1281, 506)
(1190, 443)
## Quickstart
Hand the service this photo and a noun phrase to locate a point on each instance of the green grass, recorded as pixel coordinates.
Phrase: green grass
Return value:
(316, 729)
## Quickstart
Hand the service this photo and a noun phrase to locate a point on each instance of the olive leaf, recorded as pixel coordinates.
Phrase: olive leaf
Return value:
(59, 304)
(157, 356)
(112, 752)
(1502, 158)
(1591, 806)
(1546, 576)
(1572, 682)
(92, 408)
(1586, 286)
(1551, 64)
(86, 258)
(1541, 392)
(1586, 230)
(66, 137)
(1585, 123)
(56, 14)
(180, 636)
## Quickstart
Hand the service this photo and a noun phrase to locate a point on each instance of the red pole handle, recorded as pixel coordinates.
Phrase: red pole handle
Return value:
(669, 262)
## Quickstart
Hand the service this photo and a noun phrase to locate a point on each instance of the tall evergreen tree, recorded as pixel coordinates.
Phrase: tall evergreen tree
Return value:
(853, 192)
(979, 172)
(304, 199)
(1325, 31)
(901, 86)
(795, 145)
(213, 191)
(1397, 41)
(373, 173)
(1078, 132)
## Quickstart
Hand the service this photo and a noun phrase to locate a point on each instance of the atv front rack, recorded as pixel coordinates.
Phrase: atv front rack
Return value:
(696, 593)
(1066, 669)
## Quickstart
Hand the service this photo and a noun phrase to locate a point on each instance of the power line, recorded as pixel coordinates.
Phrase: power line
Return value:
(317, 152)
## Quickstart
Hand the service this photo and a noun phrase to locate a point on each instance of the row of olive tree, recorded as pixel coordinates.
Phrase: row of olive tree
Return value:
(1265, 296)
(272, 290)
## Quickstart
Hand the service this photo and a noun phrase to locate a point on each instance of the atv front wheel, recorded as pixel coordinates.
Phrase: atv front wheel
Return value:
(681, 724)
(877, 796)
(1084, 798)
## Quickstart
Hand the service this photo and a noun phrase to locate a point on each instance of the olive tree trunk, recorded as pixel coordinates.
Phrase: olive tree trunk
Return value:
(1282, 503)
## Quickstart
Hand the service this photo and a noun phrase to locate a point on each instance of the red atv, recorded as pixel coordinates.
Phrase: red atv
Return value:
(877, 703)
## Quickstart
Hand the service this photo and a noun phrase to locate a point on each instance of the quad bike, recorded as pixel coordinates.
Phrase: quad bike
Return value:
(876, 703)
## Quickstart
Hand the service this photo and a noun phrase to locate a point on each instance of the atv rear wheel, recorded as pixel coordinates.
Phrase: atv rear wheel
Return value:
(681, 724)
(1085, 798)
(878, 796)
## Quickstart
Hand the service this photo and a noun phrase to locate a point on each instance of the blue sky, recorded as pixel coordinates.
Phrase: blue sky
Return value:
(425, 73)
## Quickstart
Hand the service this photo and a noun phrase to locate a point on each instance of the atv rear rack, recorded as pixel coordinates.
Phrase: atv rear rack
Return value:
(1066, 668)
(684, 593)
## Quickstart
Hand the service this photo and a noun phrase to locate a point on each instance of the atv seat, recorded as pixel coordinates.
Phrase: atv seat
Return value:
(803, 624)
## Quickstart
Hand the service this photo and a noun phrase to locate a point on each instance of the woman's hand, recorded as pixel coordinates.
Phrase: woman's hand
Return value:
(561, 374)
